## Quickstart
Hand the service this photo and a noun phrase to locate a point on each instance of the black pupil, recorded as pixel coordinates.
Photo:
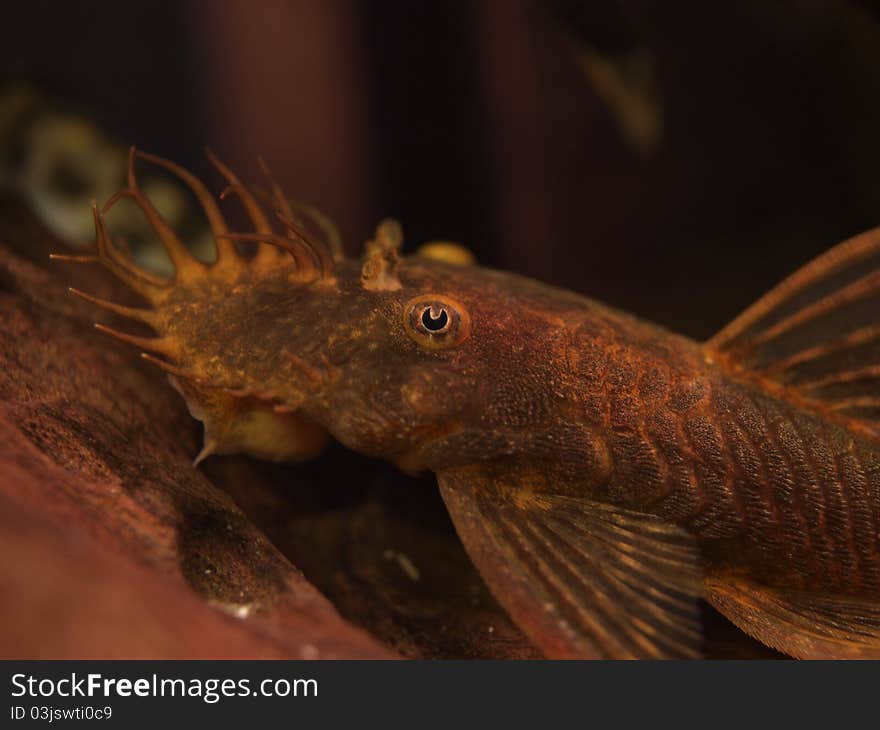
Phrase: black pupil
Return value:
(432, 323)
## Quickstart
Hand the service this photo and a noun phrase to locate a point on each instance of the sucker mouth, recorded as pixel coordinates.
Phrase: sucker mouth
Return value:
(246, 421)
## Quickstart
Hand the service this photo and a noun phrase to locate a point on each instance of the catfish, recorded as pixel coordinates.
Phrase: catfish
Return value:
(603, 473)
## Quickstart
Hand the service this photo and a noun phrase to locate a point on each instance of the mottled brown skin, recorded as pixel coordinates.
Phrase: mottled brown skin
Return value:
(536, 386)
(769, 486)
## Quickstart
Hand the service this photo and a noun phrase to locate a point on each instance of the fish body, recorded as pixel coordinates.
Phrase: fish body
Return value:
(603, 473)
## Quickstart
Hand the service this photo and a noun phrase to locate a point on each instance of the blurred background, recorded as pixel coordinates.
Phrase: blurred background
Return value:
(671, 159)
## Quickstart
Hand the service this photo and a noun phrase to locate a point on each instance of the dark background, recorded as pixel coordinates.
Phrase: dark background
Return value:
(471, 121)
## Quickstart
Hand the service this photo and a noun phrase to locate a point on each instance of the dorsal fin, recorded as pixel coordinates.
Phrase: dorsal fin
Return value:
(818, 332)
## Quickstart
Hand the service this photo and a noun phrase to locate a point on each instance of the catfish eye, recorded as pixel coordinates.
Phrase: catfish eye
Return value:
(434, 319)
(436, 322)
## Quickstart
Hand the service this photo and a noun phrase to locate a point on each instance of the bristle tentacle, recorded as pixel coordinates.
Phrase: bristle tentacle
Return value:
(284, 212)
(154, 344)
(326, 227)
(321, 253)
(264, 256)
(252, 207)
(147, 316)
(123, 258)
(170, 368)
(225, 249)
(145, 284)
(186, 265)
(75, 258)
(281, 201)
(305, 261)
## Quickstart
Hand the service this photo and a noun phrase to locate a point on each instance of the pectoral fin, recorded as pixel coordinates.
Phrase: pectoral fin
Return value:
(801, 624)
(582, 579)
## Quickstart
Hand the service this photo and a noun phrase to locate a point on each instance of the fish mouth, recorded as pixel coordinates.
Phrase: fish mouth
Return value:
(287, 437)
(241, 422)
(269, 434)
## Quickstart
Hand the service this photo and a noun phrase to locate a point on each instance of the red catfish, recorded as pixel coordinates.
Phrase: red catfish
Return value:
(603, 473)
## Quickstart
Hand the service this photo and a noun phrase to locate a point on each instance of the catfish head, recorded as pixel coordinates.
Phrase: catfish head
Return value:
(423, 360)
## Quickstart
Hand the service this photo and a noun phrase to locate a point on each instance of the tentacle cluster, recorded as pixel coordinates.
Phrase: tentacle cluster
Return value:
(307, 259)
